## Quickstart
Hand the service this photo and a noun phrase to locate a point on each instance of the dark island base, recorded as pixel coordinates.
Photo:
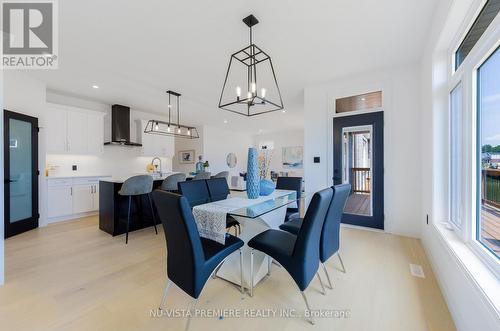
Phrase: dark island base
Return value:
(113, 210)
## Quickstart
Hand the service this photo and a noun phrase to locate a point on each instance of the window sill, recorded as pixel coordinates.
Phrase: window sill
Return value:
(475, 269)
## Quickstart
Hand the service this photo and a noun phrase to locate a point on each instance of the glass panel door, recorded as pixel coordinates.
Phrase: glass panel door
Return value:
(21, 173)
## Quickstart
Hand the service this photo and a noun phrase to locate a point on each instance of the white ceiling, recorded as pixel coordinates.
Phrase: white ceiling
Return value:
(135, 50)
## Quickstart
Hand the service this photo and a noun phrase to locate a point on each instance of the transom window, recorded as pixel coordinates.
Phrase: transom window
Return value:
(483, 20)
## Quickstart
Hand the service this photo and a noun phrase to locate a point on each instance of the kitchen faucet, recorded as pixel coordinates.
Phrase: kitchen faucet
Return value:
(152, 162)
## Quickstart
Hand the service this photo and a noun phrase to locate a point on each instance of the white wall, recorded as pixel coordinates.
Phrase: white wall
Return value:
(214, 144)
(218, 143)
(459, 272)
(281, 139)
(183, 144)
(401, 105)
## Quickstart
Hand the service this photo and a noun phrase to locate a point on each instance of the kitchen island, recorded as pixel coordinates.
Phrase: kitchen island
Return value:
(113, 208)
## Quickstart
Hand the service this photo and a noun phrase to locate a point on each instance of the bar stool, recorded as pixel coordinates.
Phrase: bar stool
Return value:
(136, 186)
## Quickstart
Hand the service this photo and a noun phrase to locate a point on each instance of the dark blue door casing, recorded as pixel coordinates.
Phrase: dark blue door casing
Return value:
(376, 119)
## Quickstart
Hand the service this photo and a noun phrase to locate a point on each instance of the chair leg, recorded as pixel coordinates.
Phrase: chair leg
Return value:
(321, 282)
(269, 262)
(189, 317)
(309, 319)
(152, 212)
(165, 292)
(214, 274)
(342, 263)
(327, 276)
(128, 218)
(251, 272)
(241, 271)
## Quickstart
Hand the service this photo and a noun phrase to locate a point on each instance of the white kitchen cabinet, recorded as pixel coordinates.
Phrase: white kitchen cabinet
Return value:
(83, 201)
(56, 130)
(72, 197)
(77, 132)
(60, 200)
(95, 133)
(73, 130)
(156, 145)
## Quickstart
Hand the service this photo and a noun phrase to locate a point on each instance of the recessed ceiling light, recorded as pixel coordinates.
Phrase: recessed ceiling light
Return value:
(363, 99)
(95, 86)
(225, 121)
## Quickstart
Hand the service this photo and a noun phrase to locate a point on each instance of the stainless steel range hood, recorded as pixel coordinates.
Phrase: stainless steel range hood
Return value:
(120, 127)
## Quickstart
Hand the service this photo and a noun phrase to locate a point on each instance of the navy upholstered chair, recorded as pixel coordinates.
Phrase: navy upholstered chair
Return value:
(330, 235)
(191, 259)
(170, 183)
(299, 255)
(218, 189)
(202, 175)
(293, 184)
(195, 191)
(137, 186)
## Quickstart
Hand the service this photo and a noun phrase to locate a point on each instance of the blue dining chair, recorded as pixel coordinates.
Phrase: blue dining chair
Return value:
(191, 259)
(330, 235)
(292, 184)
(299, 255)
(195, 191)
(218, 189)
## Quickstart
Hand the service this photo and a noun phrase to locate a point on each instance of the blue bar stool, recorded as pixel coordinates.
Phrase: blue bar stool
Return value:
(136, 186)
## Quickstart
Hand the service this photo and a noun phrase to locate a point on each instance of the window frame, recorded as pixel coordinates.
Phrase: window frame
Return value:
(467, 75)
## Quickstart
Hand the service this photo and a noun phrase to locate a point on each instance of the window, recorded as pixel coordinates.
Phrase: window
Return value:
(365, 101)
(483, 20)
(488, 157)
(456, 115)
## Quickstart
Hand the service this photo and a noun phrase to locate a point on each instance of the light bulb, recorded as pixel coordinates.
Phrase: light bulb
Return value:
(189, 132)
(169, 106)
(156, 126)
(238, 91)
(179, 130)
(263, 93)
(253, 87)
(168, 129)
(249, 95)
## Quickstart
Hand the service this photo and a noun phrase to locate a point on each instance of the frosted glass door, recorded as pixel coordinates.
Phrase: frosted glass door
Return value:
(21, 173)
(20, 170)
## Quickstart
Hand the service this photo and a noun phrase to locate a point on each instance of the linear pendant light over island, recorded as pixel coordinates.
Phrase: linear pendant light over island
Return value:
(262, 96)
(171, 128)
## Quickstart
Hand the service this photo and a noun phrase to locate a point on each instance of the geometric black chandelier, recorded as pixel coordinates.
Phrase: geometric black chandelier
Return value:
(250, 87)
(171, 128)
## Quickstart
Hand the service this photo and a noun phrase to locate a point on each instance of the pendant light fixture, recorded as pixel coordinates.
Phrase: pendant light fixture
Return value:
(171, 128)
(242, 92)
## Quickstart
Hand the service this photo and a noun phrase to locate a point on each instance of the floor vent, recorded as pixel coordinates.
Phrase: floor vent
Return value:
(417, 271)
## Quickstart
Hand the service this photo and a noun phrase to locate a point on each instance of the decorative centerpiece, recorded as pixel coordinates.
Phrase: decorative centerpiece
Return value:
(253, 180)
(267, 186)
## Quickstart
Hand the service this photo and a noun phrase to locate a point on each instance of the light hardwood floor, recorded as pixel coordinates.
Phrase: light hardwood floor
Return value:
(72, 276)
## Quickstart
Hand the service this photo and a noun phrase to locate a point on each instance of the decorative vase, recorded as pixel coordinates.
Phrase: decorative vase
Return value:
(266, 187)
(253, 178)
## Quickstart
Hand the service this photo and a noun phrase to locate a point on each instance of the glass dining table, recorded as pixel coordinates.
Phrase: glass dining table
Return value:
(255, 216)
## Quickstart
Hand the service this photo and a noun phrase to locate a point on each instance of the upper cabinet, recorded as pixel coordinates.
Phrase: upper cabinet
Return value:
(155, 145)
(74, 131)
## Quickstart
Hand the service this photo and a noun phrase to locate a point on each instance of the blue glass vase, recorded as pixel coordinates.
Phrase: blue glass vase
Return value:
(266, 187)
(253, 177)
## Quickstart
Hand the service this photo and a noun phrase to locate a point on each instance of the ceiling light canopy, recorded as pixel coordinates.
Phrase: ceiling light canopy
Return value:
(242, 92)
(171, 128)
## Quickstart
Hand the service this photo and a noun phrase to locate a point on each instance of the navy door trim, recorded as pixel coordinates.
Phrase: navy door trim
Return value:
(376, 119)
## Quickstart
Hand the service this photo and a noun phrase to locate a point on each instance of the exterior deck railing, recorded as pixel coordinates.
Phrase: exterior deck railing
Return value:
(490, 186)
(361, 180)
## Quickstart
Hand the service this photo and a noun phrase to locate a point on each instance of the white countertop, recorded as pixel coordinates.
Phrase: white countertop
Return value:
(124, 178)
(68, 176)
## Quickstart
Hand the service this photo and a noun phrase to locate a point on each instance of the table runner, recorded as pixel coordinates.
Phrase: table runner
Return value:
(211, 217)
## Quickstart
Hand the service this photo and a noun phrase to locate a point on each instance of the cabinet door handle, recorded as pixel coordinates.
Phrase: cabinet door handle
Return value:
(71, 191)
